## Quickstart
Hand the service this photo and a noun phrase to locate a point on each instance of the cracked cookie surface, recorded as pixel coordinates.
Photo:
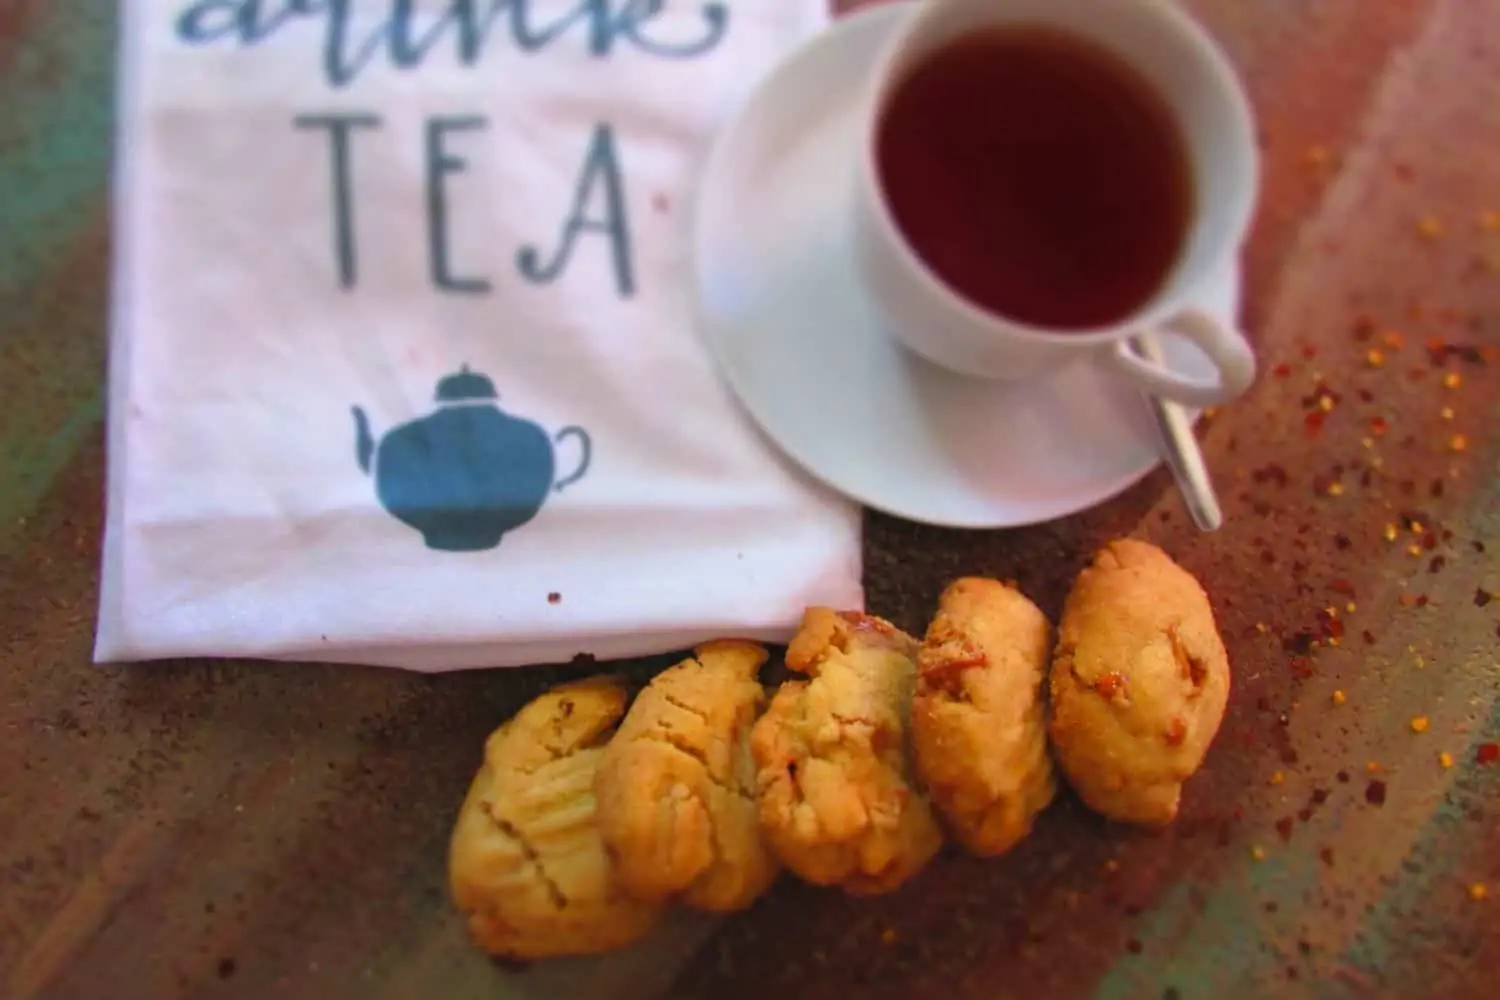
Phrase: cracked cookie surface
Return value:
(978, 726)
(676, 785)
(836, 803)
(526, 862)
(1139, 683)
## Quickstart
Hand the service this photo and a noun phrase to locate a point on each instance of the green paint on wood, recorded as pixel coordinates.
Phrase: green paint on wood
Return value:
(55, 135)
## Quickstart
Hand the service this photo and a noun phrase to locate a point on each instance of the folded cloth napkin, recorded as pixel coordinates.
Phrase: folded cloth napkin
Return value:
(404, 368)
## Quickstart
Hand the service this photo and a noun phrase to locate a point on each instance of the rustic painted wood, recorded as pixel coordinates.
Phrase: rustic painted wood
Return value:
(248, 830)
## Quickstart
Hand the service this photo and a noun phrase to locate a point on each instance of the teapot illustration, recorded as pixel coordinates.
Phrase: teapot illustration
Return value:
(466, 473)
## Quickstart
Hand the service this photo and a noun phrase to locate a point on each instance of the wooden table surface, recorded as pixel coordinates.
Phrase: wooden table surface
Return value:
(246, 829)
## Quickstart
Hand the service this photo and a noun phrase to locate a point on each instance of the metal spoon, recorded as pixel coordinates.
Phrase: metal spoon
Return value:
(1180, 448)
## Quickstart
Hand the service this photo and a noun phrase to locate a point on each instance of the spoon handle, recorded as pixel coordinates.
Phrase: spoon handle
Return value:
(1180, 448)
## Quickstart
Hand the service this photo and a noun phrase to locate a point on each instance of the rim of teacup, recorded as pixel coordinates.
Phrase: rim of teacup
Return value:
(1159, 311)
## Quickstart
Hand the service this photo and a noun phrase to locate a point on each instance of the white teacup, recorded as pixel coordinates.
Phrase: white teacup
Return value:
(1213, 115)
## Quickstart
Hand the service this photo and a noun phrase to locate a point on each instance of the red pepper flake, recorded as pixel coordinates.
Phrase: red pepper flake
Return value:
(1271, 472)
(1321, 398)
(1482, 597)
(1328, 486)
(1176, 731)
(1343, 586)
(1379, 426)
(1284, 827)
(1110, 685)
(1314, 422)
(1375, 793)
(1282, 370)
(1299, 643)
(1301, 667)
(1429, 541)
(1487, 753)
(1421, 600)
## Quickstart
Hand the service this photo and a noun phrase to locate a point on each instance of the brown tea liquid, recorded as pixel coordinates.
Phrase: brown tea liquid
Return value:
(1038, 175)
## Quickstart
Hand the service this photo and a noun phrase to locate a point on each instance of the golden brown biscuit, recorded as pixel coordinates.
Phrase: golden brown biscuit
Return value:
(977, 723)
(676, 786)
(1139, 683)
(836, 805)
(526, 862)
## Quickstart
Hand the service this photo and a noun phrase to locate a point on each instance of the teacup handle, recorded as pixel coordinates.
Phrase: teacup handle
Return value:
(1225, 346)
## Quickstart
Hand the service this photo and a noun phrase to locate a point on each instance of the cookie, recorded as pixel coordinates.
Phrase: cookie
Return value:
(978, 725)
(526, 862)
(676, 785)
(1139, 683)
(836, 801)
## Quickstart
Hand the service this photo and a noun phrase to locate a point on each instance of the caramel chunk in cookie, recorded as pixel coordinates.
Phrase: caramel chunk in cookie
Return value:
(526, 862)
(836, 804)
(676, 786)
(977, 725)
(1139, 683)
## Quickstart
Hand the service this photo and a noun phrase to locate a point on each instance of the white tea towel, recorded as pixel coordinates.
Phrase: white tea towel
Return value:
(403, 363)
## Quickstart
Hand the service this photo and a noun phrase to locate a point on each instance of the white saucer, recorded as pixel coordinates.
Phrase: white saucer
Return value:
(783, 312)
